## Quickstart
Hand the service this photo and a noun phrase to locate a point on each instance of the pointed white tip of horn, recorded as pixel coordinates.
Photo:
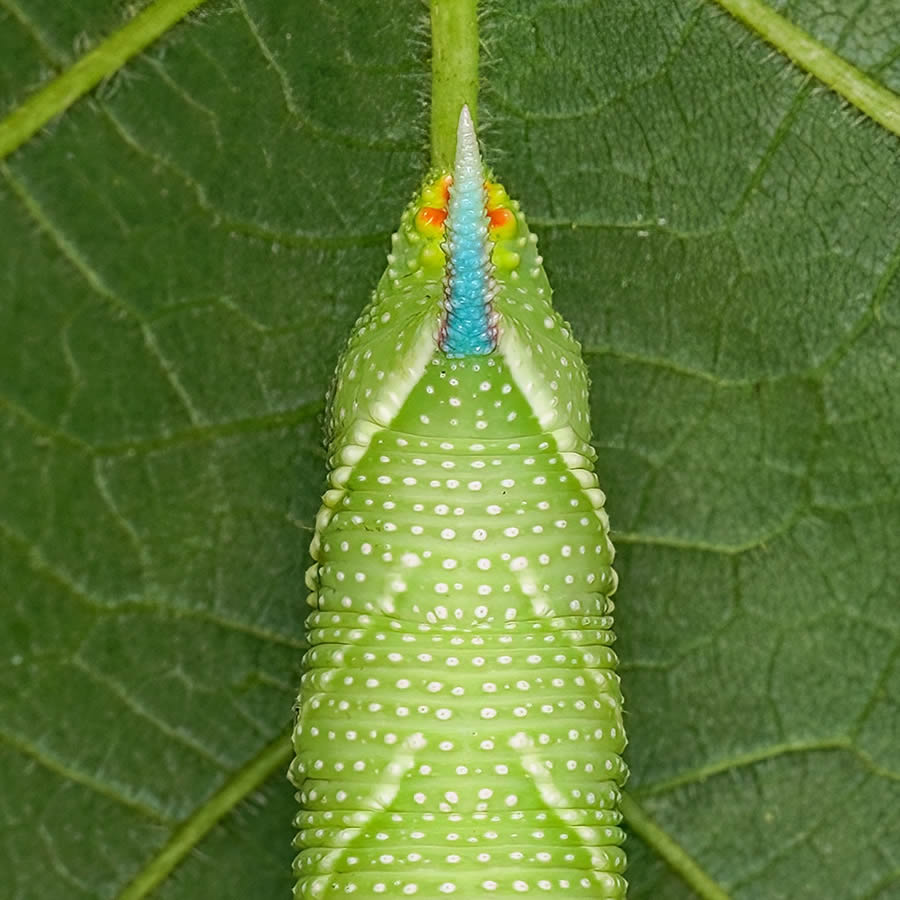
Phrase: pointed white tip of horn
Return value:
(468, 158)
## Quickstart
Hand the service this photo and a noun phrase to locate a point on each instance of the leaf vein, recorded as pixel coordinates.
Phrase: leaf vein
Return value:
(44, 567)
(88, 71)
(69, 773)
(50, 53)
(295, 239)
(70, 251)
(766, 754)
(674, 854)
(139, 710)
(245, 780)
(875, 100)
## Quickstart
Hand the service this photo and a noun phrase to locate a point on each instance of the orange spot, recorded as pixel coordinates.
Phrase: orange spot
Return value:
(430, 220)
(501, 217)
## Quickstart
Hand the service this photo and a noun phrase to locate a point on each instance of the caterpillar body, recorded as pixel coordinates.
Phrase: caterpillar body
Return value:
(459, 727)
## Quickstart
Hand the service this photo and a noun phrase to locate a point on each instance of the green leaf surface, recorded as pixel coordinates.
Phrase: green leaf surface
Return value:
(184, 252)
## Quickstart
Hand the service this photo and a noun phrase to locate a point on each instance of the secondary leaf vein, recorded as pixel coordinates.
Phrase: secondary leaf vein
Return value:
(87, 72)
(876, 101)
(81, 265)
(270, 759)
(63, 770)
(640, 822)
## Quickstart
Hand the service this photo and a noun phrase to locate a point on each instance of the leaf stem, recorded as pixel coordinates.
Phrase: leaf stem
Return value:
(876, 101)
(454, 72)
(86, 73)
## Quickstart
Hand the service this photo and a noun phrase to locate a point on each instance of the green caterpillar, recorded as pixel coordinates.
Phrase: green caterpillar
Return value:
(459, 723)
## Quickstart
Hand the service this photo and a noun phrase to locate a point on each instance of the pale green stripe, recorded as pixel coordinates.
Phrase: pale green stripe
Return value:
(271, 759)
(875, 100)
(674, 854)
(104, 60)
(454, 73)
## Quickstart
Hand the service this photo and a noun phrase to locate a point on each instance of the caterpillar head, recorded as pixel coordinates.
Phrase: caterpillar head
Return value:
(464, 278)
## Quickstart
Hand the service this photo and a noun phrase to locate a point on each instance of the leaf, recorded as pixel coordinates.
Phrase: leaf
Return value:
(184, 253)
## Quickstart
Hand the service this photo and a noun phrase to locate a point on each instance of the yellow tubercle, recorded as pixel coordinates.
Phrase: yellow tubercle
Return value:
(432, 256)
(504, 258)
(437, 193)
(496, 195)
